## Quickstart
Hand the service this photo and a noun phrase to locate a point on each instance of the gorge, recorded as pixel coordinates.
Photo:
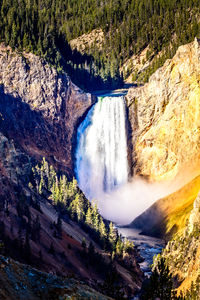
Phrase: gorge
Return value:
(43, 114)
(100, 149)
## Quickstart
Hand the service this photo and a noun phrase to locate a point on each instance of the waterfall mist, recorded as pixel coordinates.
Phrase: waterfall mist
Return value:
(124, 204)
(102, 166)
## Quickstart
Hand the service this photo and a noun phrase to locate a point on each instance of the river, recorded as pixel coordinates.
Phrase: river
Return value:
(148, 246)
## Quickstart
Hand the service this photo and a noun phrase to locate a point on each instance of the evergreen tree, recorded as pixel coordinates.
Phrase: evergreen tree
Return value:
(160, 284)
(88, 219)
(128, 27)
(95, 217)
(112, 236)
(102, 229)
(51, 249)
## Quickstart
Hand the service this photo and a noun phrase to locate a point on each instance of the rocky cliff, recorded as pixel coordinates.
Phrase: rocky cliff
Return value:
(182, 254)
(40, 108)
(165, 117)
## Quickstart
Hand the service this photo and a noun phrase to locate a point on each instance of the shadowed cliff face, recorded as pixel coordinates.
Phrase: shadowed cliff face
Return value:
(39, 108)
(165, 117)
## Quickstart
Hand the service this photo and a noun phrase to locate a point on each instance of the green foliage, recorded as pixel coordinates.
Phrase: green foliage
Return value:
(160, 284)
(112, 236)
(45, 28)
(194, 292)
(181, 254)
(68, 199)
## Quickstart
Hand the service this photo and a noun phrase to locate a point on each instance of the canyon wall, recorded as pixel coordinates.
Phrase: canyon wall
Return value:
(165, 117)
(40, 108)
(182, 254)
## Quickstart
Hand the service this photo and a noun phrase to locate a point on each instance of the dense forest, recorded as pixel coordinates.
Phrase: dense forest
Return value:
(45, 28)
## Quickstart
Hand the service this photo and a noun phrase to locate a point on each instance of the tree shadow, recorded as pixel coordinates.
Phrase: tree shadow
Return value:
(80, 68)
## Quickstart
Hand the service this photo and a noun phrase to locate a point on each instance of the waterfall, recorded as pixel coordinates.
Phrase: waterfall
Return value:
(101, 154)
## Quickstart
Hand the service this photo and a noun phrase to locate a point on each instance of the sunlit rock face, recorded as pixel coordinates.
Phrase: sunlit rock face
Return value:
(165, 117)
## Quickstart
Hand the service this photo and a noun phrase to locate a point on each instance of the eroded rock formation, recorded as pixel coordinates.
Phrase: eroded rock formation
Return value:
(40, 108)
(165, 117)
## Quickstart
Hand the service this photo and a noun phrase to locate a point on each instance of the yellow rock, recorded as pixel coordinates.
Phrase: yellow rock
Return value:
(165, 119)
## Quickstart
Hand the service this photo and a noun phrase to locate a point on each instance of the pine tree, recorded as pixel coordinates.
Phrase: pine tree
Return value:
(112, 235)
(76, 207)
(27, 247)
(102, 229)
(83, 244)
(88, 218)
(51, 249)
(119, 246)
(127, 245)
(41, 184)
(95, 217)
(160, 284)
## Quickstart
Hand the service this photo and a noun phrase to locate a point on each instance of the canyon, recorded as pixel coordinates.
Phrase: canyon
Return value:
(40, 109)
(40, 112)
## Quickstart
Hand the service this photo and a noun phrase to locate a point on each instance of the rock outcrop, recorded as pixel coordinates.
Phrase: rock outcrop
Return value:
(85, 42)
(20, 281)
(40, 109)
(165, 117)
(14, 164)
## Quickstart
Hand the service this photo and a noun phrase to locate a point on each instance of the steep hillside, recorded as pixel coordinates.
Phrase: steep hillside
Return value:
(164, 118)
(44, 216)
(182, 255)
(128, 26)
(169, 215)
(23, 282)
(52, 226)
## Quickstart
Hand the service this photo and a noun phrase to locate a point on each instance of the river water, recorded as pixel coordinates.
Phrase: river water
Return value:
(148, 246)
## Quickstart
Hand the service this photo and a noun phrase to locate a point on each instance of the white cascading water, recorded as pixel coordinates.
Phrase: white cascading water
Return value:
(102, 166)
(101, 154)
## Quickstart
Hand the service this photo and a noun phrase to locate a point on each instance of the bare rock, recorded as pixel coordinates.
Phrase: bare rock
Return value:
(40, 109)
(165, 117)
